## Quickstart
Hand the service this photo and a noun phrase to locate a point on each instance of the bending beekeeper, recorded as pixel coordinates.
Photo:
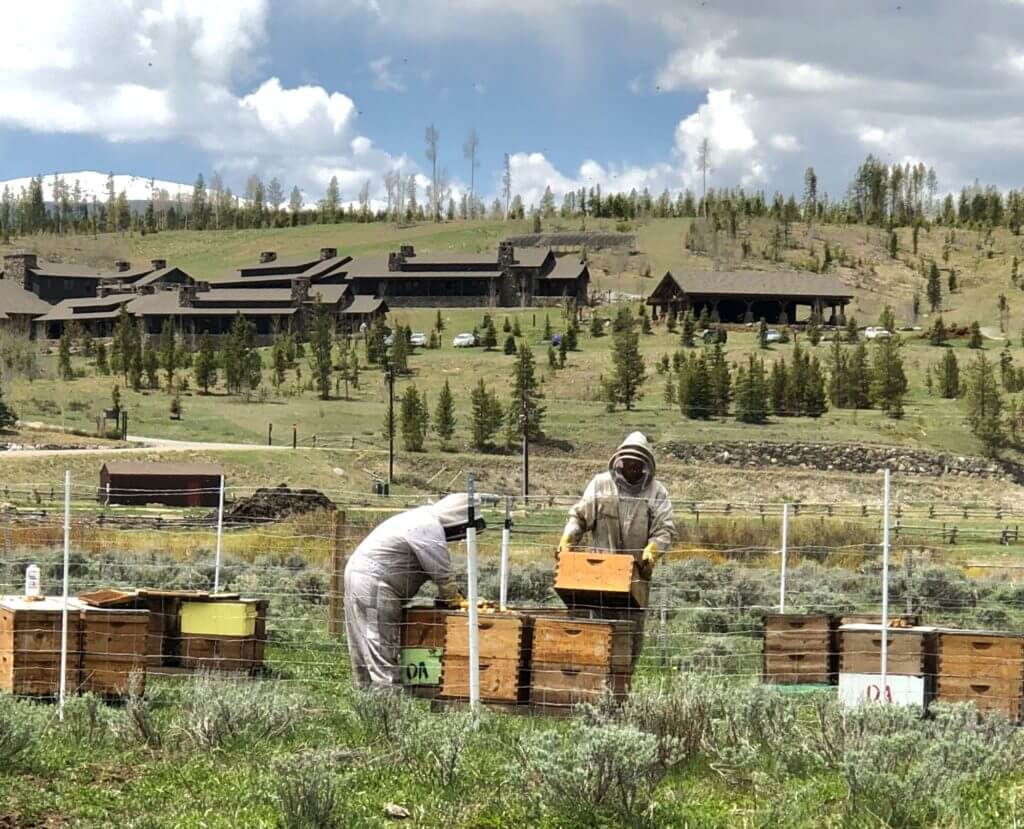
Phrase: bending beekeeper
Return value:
(387, 569)
(624, 510)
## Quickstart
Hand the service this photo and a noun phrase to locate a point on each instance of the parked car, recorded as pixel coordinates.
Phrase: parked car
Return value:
(464, 341)
(772, 335)
(875, 333)
(418, 339)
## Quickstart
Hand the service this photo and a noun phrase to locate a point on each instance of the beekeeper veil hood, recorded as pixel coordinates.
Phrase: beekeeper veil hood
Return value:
(453, 513)
(634, 448)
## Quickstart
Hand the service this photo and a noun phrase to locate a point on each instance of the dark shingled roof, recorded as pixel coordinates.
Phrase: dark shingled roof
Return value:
(105, 307)
(364, 305)
(377, 268)
(566, 267)
(760, 283)
(166, 302)
(16, 300)
(155, 469)
(156, 276)
(279, 263)
(59, 269)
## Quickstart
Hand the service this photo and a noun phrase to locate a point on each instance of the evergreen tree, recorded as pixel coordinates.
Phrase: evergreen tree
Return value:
(951, 282)
(697, 403)
(552, 357)
(572, 334)
(813, 331)
(64, 368)
(126, 343)
(814, 397)
(670, 389)
(838, 375)
(893, 244)
(506, 326)
(949, 375)
(596, 326)
(858, 393)
(510, 345)
(413, 419)
(563, 350)
(888, 379)
(243, 369)
(376, 350)
(1006, 372)
(645, 322)
(168, 352)
(985, 405)
(102, 366)
(670, 322)
(752, 391)
(487, 415)
(516, 330)
(628, 372)
(1013, 271)
(444, 415)
(937, 336)
(762, 334)
(852, 334)
(915, 306)
(721, 381)
(398, 355)
(547, 328)
(278, 360)
(934, 289)
(8, 418)
(206, 364)
(778, 388)
(321, 347)
(151, 365)
(976, 340)
(689, 329)
(490, 339)
(525, 406)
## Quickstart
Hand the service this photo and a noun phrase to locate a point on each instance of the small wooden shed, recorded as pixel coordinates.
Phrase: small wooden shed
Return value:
(172, 484)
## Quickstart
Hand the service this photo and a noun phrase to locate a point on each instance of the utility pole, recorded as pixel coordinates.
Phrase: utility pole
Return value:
(391, 425)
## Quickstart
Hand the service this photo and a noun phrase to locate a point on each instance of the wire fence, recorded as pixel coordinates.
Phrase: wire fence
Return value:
(730, 566)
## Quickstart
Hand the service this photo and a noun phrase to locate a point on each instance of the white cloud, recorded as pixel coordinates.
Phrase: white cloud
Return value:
(783, 142)
(383, 76)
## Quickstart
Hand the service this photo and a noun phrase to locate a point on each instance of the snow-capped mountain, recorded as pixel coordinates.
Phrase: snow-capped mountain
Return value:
(136, 188)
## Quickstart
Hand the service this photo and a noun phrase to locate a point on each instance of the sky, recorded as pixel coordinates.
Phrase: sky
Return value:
(616, 93)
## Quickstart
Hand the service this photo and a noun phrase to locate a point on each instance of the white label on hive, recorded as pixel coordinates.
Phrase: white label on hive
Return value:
(856, 689)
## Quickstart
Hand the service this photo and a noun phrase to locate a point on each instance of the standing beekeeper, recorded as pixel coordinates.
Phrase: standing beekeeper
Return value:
(624, 510)
(387, 569)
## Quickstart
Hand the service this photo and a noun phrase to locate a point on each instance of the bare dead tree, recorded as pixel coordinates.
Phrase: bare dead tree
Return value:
(506, 184)
(704, 161)
(469, 152)
(432, 137)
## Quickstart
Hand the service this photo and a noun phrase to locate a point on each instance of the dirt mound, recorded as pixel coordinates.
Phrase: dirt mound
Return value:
(276, 503)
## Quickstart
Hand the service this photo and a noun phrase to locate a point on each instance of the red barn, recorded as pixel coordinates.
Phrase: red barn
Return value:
(172, 484)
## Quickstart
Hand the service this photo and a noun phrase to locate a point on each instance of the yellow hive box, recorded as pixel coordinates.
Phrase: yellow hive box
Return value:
(218, 618)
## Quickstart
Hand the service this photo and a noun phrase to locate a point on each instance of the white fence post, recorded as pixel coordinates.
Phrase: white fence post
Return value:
(785, 554)
(220, 534)
(506, 539)
(885, 589)
(471, 595)
(64, 610)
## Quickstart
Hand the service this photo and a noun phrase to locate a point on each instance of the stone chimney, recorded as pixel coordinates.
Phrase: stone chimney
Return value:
(300, 290)
(328, 253)
(121, 265)
(17, 266)
(267, 256)
(395, 261)
(186, 296)
(506, 254)
(407, 251)
(158, 264)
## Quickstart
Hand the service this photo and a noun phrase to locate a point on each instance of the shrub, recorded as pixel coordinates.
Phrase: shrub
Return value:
(18, 729)
(441, 741)
(676, 713)
(218, 711)
(307, 796)
(384, 714)
(87, 721)
(590, 772)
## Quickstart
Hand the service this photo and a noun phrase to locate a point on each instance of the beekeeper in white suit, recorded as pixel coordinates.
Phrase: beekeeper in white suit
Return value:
(387, 569)
(624, 510)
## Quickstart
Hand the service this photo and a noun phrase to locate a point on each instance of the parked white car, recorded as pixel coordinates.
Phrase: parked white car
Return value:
(772, 335)
(418, 339)
(464, 341)
(875, 333)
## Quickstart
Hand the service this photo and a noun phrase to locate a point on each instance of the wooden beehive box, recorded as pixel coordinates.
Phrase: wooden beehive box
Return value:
(911, 651)
(30, 645)
(228, 654)
(600, 580)
(422, 640)
(798, 648)
(113, 649)
(505, 644)
(982, 667)
(578, 660)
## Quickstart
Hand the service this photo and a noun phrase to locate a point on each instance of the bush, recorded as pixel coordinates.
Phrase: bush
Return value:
(384, 714)
(677, 714)
(588, 772)
(217, 711)
(19, 726)
(441, 740)
(307, 796)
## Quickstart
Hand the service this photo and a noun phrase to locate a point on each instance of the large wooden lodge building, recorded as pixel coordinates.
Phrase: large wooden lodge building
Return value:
(278, 294)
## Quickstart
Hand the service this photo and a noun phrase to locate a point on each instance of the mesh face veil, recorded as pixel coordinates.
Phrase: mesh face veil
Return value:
(453, 513)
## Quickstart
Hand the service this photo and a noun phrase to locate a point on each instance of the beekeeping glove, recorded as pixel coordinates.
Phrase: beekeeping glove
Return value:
(563, 544)
(449, 593)
(648, 559)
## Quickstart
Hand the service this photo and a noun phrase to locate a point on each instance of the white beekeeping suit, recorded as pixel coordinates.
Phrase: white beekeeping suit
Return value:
(387, 569)
(623, 516)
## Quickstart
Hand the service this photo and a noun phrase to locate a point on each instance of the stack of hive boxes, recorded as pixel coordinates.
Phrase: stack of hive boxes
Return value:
(105, 648)
(982, 667)
(910, 665)
(798, 649)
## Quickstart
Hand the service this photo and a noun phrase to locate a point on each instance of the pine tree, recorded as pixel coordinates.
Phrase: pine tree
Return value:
(572, 334)
(934, 289)
(552, 357)
(697, 404)
(689, 329)
(547, 328)
(8, 418)
(628, 372)
(516, 330)
(721, 381)
(596, 326)
(525, 406)
(915, 306)
(102, 366)
(490, 339)
(976, 340)
(413, 419)
(670, 389)
(888, 379)
(838, 375)
(762, 334)
(64, 369)
(376, 350)
(135, 370)
(206, 364)
(487, 416)
(985, 406)
(671, 324)
(937, 336)
(894, 244)
(398, 355)
(852, 334)
(949, 375)
(563, 350)
(645, 322)
(506, 326)
(510, 345)
(778, 388)
(752, 391)
(321, 347)
(858, 393)
(444, 415)
(1006, 372)
(169, 352)
(815, 401)
(1013, 271)
(125, 344)
(951, 281)
(813, 331)
(151, 365)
